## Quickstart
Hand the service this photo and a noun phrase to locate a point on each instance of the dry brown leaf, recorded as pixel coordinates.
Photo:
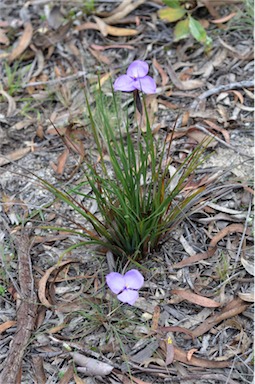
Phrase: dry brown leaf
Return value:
(234, 308)
(77, 379)
(100, 57)
(183, 85)
(126, 7)
(110, 46)
(201, 138)
(205, 255)
(217, 128)
(248, 296)
(6, 325)
(248, 265)
(237, 94)
(181, 355)
(175, 328)
(15, 155)
(62, 159)
(3, 38)
(56, 329)
(245, 55)
(39, 369)
(155, 318)
(50, 38)
(224, 19)
(162, 73)
(43, 281)
(68, 375)
(195, 299)
(190, 353)
(11, 102)
(169, 351)
(106, 29)
(23, 43)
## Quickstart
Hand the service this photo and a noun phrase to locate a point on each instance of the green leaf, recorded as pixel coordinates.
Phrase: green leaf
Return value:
(171, 14)
(172, 3)
(181, 30)
(197, 30)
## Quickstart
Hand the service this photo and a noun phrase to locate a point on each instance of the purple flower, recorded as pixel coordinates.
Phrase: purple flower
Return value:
(125, 286)
(136, 79)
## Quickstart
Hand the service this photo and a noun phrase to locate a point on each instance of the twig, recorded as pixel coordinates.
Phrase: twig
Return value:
(240, 152)
(56, 81)
(26, 312)
(243, 235)
(220, 88)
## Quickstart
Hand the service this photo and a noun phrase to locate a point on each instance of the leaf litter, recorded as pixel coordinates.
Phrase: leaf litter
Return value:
(208, 323)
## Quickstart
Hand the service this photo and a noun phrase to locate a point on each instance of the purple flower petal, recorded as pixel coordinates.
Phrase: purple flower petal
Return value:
(124, 83)
(133, 279)
(138, 69)
(128, 296)
(146, 84)
(116, 282)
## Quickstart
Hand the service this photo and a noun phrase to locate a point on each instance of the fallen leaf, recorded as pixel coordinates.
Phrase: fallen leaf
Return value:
(23, 43)
(77, 379)
(106, 29)
(181, 355)
(145, 353)
(212, 247)
(234, 308)
(68, 375)
(46, 38)
(237, 94)
(171, 14)
(155, 318)
(100, 57)
(195, 299)
(39, 369)
(248, 265)
(175, 328)
(201, 137)
(248, 296)
(162, 73)
(43, 281)
(190, 353)
(126, 7)
(62, 159)
(219, 129)
(54, 17)
(224, 19)
(3, 38)
(6, 325)
(183, 85)
(11, 102)
(169, 351)
(13, 156)
(111, 46)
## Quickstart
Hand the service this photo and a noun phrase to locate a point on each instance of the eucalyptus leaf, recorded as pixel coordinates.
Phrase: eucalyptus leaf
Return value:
(197, 30)
(181, 30)
(171, 14)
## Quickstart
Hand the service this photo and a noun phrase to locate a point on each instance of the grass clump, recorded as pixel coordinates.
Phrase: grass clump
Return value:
(138, 201)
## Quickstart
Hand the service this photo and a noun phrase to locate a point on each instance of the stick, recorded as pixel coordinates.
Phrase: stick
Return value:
(26, 312)
(220, 88)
